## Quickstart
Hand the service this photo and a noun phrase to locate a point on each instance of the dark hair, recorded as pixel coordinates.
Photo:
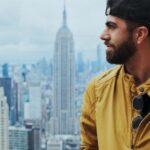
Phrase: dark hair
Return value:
(133, 25)
(133, 10)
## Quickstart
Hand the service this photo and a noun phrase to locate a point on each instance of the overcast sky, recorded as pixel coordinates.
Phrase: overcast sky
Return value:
(28, 27)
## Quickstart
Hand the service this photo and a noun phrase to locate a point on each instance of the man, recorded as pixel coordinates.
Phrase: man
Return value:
(115, 112)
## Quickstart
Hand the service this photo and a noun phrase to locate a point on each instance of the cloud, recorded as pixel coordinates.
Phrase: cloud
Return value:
(30, 26)
(9, 12)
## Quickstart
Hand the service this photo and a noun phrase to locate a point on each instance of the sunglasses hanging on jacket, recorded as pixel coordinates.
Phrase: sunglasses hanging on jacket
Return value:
(142, 105)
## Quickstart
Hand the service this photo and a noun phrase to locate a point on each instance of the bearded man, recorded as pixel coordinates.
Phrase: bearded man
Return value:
(116, 107)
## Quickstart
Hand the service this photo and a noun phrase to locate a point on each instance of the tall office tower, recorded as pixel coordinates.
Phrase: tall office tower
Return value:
(10, 91)
(6, 82)
(33, 108)
(23, 99)
(4, 121)
(64, 78)
(19, 138)
(5, 70)
(14, 115)
(23, 93)
(34, 138)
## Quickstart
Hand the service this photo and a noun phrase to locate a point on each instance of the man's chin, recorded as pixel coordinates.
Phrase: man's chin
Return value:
(109, 60)
(112, 61)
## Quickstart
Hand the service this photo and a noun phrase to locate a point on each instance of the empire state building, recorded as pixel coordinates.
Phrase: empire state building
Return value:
(64, 80)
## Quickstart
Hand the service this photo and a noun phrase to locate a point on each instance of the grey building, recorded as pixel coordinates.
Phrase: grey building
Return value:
(64, 80)
(24, 138)
(34, 136)
(18, 138)
(4, 123)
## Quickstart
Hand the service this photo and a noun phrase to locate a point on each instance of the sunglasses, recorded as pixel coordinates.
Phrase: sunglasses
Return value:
(138, 105)
(142, 105)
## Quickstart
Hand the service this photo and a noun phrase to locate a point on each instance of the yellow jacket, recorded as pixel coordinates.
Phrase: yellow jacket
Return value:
(107, 113)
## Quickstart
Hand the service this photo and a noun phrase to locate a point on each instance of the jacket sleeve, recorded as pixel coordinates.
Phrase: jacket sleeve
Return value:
(87, 120)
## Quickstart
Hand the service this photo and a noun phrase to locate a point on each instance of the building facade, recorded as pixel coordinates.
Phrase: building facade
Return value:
(18, 138)
(64, 80)
(4, 121)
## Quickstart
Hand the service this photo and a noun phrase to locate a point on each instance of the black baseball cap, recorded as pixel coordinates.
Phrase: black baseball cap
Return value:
(132, 10)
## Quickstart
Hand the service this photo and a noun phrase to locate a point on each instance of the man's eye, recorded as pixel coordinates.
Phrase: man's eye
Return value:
(111, 25)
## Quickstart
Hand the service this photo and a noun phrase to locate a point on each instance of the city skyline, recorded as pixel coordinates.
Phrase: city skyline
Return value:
(44, 98)
(28, 28)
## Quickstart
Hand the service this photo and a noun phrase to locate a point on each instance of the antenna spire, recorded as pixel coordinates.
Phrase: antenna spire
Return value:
(64, 15)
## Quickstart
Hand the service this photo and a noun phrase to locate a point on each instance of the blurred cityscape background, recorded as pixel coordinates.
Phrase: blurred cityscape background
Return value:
(44, 70)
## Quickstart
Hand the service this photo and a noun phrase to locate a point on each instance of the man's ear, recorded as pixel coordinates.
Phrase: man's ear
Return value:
(140, 34)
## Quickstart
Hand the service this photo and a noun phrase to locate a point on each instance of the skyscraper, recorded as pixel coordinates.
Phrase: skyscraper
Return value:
(10, 91)
(4, 117)
(33, 109)
(5, 70)
(64, 78)
(19, 138)
(34, 137)
(6, 83)
(24, 99)
(14, 109)
(24, 138)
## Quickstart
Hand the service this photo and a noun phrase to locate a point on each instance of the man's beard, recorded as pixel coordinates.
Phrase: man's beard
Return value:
(122, 53)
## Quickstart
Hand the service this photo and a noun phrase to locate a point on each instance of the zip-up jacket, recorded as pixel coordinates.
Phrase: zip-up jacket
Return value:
(107, 113)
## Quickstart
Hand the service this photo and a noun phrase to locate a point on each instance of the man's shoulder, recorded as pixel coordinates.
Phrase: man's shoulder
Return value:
(105, 77)
(108, 75)
(98, 84)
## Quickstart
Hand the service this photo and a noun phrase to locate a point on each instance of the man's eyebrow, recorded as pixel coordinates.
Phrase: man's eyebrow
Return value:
(110, 24)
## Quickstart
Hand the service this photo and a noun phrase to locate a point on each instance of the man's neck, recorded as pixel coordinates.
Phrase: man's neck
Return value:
(139, 68)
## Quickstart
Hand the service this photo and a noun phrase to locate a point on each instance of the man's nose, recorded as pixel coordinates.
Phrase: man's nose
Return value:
(105, 35)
